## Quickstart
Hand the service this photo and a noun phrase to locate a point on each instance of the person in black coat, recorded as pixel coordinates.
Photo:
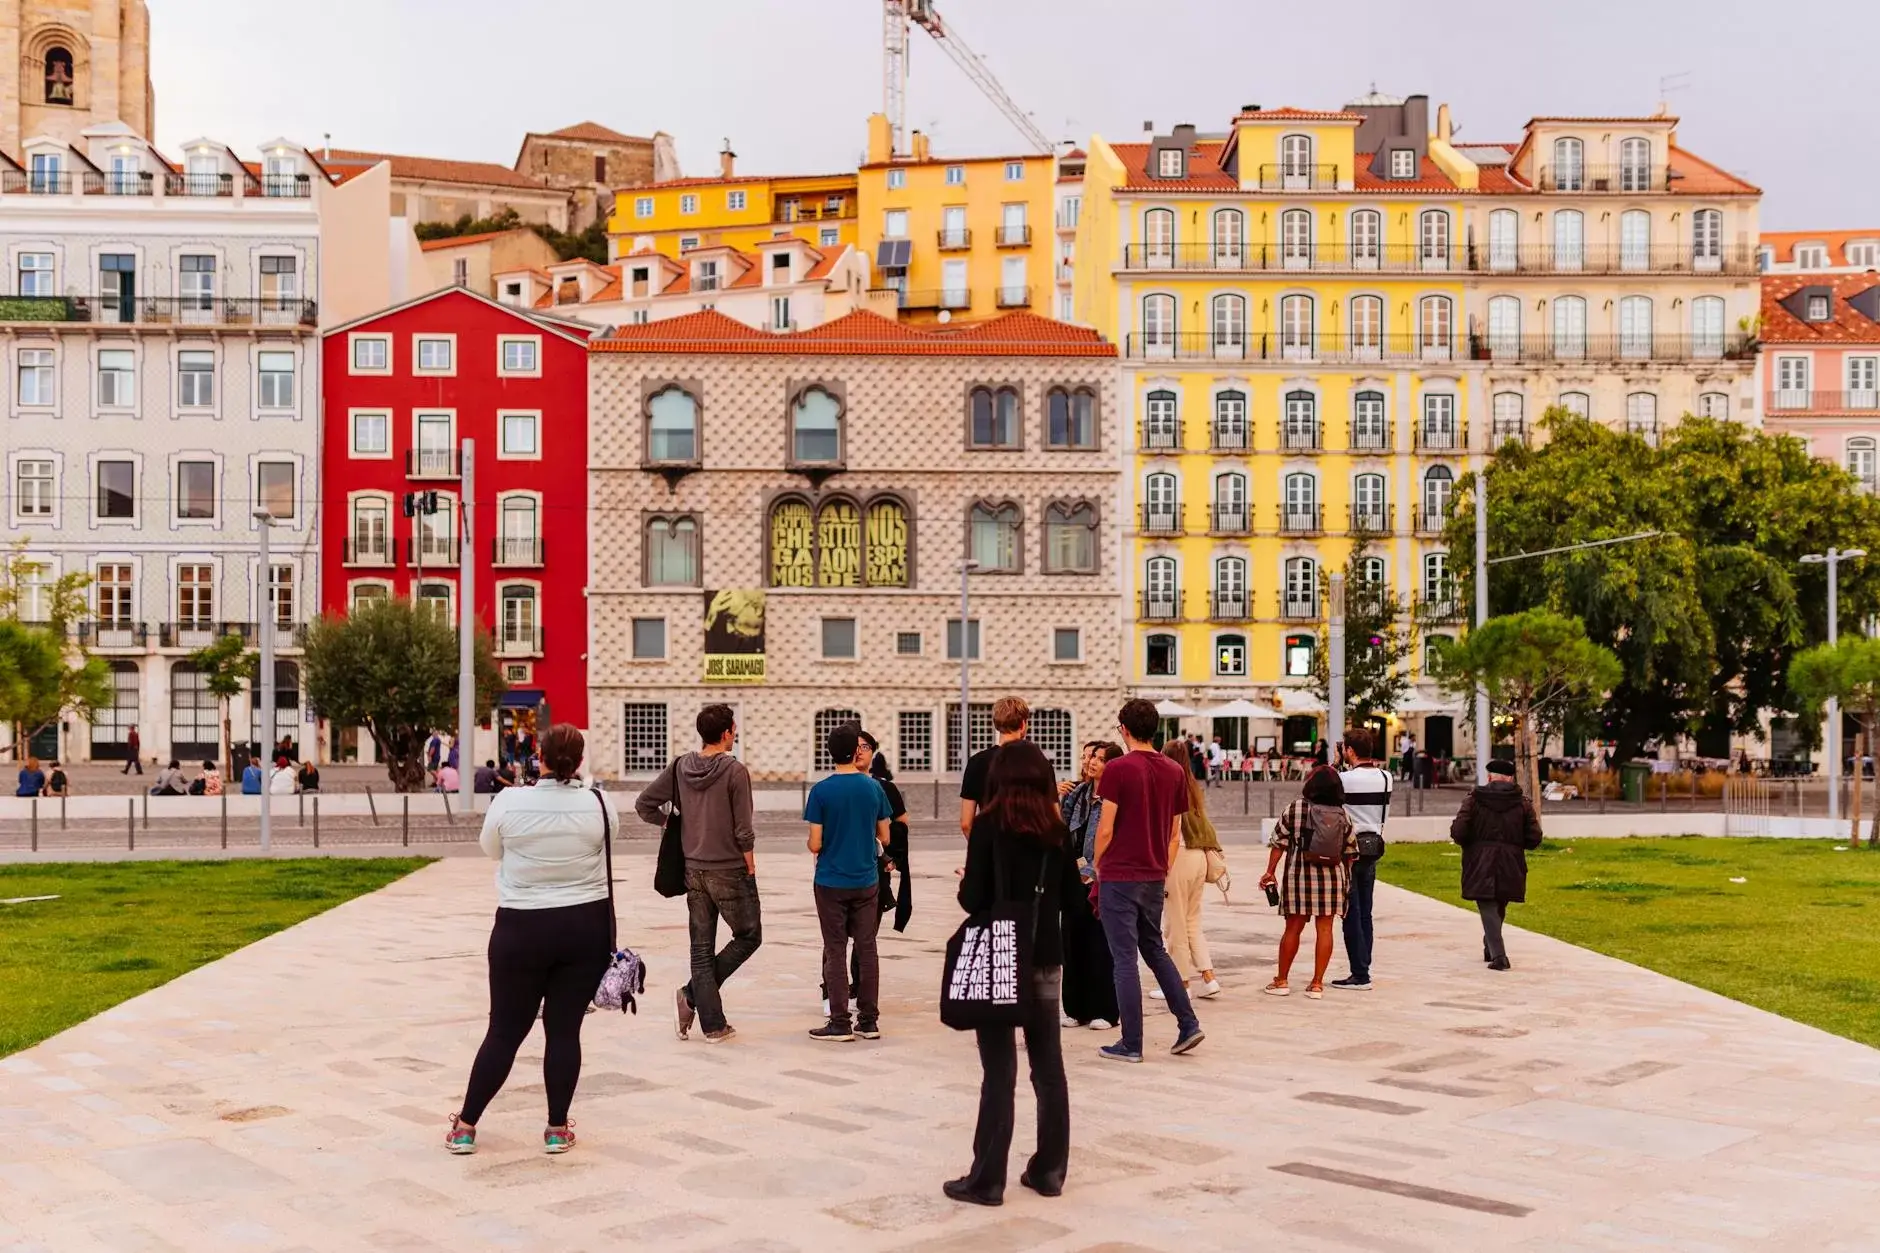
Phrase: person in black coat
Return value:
(1495, 826)
(1017, 845)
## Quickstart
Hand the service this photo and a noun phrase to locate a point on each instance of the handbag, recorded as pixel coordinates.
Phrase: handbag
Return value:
(1370, 845)
(669, 869)
(1217, 865)
(625, 976)
(987, 972)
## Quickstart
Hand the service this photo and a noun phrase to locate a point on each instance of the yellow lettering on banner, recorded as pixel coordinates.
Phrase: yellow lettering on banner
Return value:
(839, 545)
(887, 544)
(792, 563)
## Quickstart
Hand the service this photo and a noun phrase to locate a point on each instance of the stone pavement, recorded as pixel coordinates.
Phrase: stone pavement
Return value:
(293, 1096)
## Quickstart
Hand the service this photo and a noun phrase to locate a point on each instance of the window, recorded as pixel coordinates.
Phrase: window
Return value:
(688, 203)
(1439, 421)
(274, 488)
(1295, 239)
(371, 434)
(643, 208)
(838, 544)
(1071, 419)
(1569, 172)
(368, 593)
(1579, 404)
(1707, 327)
(1295, 156)
(518, 632)
(1368, 511)
(195, 597)
(520, 435)
(370, 542)
(826, 721)
(1641, 416)
(33, 489)
(1635, 328)
(1439, 488)
(1162, 511)
(1707, 239)
(1013, 291)
(1508, 421)
(1713, 405)
(1230, 587)
(198, 293)
(687, 243)
(1367, 234)
(1158, 324)
(816, 428)
(894, 224)
(1818, 308)
(518, 536)
(645, 741)
(117, 377)
(1230, 656)
(953, 639)
(1437, 588)
(1433, 648)
(1302, 503)
(1635, 165)
(1158, 238)
(897, 179)
(1403, 163)
(519, 356)
(1161, 656)
(370, 353)
(1168, 163)
(35, 376)
(1370, 574)
(994, 537)
(1300, 592)
(117, 589)
(838, 639)
(195, 378)
(35, 592)
(36, 275)
(1435, 318)
(672, 427)
(117, 286)
(1370, 432)
(1635, 240)
(994, 417)
(1230, 236)
(1230, 323)
(1067, 644)
(1860, 460)
(780, 314)
(195, 490)
(1367, 326)
(672, 552)
(1295, 327)
(1569, 328)
(1070, 539)
(830, 236)
(435, 355)
(1504, 327)
(1161, 427)
(1230, 503)
(1433, 238)
(1299, 429)
(277, 379)
(1014, 171)
(1863, 382)
(956, 176)
(907, 644)
(1569, 240)
(915, 741)
(734, 201)
(1791, 383)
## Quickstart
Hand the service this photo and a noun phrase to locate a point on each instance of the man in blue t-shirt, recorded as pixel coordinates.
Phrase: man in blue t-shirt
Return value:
(848, 816)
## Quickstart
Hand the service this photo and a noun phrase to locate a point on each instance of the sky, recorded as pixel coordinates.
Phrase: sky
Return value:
(1786, 103)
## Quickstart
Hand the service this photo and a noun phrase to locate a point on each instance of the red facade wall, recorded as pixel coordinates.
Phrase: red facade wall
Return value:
(477, 392)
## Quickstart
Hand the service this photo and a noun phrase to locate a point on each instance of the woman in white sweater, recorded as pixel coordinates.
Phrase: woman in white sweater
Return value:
(550, 944)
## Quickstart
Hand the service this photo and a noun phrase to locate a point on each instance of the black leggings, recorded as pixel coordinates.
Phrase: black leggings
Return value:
(555, 956)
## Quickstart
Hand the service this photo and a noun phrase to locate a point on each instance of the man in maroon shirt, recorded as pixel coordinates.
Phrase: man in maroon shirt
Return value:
(1144, 795)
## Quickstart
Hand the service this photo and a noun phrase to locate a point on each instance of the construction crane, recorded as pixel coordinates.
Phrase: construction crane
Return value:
(897, 16)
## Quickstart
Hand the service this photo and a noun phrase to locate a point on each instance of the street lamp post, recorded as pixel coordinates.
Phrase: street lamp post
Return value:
(1833, 559)
(1485, 735)
(1335, 664)
(265, 626)
(966, 652)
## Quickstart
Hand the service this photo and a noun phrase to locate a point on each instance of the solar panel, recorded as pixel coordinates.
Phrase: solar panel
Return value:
(894, 254)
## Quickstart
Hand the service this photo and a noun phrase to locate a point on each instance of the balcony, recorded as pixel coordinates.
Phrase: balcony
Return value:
(1301, 436)
(1605, 180)
(1274, 347)
(1229, 520)
(1161, 607)
(431, 553)
(1370, 437)
(198, 184)
(1545, 258)
(163, 310)
(1507, 430)
(282, 186)
(1064, 272)
(1369, 519)
(1426, 521)
(107, 633)
(115, 183)
(1165, 518)
(1301, 520)
(1013, 297)
(1604, 349)
(1228, 438)
(1289, 176)
(35, 183)
(1795, 400)
(1518, 259)
(516, 551)
(1300, 606)
(955, 241)
(519, 642)
(433, 463)
(1159, 436)
(371, 550)
(1443, 608)
(936, 298)
(199, 634)
(1442, 437)
(1228, 606)
(1014, 236)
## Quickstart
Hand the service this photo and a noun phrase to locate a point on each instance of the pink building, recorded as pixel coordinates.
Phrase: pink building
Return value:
(1820, 364)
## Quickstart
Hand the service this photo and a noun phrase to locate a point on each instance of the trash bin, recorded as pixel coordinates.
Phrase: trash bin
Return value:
(1632, 776)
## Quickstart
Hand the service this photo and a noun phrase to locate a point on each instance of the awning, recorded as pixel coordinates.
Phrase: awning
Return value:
(522, 698)
(1173, 709)
(1242, 708)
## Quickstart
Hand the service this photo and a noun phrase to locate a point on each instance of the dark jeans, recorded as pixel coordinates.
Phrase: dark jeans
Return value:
(1132, 922)
(546, 959)
(1494, 913)
(1358, 918)
(133, 762)
(850, 914)
(710, 894)
(998, 1059)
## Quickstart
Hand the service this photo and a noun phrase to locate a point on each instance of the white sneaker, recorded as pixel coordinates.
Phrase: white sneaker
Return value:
(1070, 1022)
(1211, 989)
(1101, 1024)
(1157, 994)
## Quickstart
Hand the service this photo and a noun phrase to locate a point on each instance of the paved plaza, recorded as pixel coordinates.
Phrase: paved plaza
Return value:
(294, 1095)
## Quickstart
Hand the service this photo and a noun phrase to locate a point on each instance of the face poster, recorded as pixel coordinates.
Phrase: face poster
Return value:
(734, 636)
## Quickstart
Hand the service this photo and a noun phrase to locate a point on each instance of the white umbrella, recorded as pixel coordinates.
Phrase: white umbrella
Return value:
(1294, 700)
(1417, 703)
(1242, 708)
(1173, 709)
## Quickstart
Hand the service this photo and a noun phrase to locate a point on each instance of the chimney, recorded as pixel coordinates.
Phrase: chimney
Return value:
(880, 140)
(727, 161)
(1416, 121)
(922, 149)
(1183, 136)
(327, 150)
(1443, 127)
(1249, 108)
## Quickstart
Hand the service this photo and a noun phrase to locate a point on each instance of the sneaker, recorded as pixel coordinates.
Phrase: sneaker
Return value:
(830, 1031)
(1500, 963)
(682, 1012)
(1068, 1022)
(1210, 989)
(461, 1139)
(719, 1037)
(868, 1030)
(1117, 1053)
(1157, 994)
(558, 1139)
(1187, 1043)
(1103, 1024)
(1351, 983)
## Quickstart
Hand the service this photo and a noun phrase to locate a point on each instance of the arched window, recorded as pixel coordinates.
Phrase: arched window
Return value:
(1295, 239)
(1370, 431)
(1641, 416)
(1230, 238)
(1230, 324)
(1504, 233)
(1295, 327)
(994, 417)
(1367, 238)
(1373, 574)
(1160, 601)
(887, 546)
(792, 544)
(1439, 421)
(1579, 404)
(826, 721)
(1569, 240)
(995, 537)
(1635, 328)
(1707, 327)
(1070, 538)
(1230, 655)
(518, 629)
(838, 544)
(1367, 326)
(1230, 421)
(1161, 507)
(1299, 593)
(1436, 585)
(1295, 157)
(195, 725)
(61, 83)
(111, 724)
(1299, 430)
(1300, 512)
(1860, 461)
(1569, 328)
(1070, 418)
(1504, 328)
(1435, 326)
(1230, 503)
(1707, 239)
(1161, 656)
(1369, 513)
(1230, 587)
(672, 551)
(1161, 423)
(1635, 165)
(519, 530)
(1158, 323)
(672, 428)
(1713, 405)
(1433, 648)
(1158, 237)
(816, 428)
(1509, 421)
(1635, 240)
(1569, 170)
(1433, 238)
(1439, 488)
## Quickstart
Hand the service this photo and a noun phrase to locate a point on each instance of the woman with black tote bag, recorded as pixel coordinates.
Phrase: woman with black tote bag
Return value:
(1020, 851)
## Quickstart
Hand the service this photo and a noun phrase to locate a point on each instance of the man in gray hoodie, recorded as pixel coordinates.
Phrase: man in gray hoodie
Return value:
(712, 791)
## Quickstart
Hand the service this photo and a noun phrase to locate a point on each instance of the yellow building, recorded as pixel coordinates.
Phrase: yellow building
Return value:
(970, 237)
(1289, 299)
(732, 211)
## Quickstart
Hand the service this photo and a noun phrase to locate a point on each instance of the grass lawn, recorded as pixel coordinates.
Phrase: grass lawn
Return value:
(121, 928)
(1795, 937)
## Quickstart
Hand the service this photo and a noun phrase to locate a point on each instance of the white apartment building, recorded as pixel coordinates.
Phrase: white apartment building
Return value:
(159, 324)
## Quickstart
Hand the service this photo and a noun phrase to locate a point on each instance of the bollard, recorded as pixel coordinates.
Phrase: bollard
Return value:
(225, 820)
(802, 793)
(373, 806)
(316, 822)
(1269, 800)
(300, 802)
(35, 824)
(130, 823)
(61, 813)
(1246, 791)
(146, 811)
(936, 797)
(404, 819)
(450, 819)
(1664, 795)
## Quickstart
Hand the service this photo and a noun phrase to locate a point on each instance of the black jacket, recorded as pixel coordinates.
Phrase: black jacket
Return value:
(1002, 867)
(1495, 826)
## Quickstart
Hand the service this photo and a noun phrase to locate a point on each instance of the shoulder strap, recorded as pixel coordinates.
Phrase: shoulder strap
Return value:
(672, 768)
(607, 853)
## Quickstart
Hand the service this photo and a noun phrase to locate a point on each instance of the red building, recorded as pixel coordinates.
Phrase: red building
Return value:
(401, 390)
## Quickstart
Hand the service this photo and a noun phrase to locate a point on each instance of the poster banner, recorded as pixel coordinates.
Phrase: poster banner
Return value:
(734, 636)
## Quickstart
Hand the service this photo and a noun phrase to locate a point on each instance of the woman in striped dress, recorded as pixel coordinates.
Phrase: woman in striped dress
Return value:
(1308, 889)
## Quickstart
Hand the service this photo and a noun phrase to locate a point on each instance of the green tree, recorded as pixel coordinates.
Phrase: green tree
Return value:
(49, 675)
(226, 665)
(1376, 644)
(1848, 671)
(392, 668)
(589, 244)
(1538, 666)
(506, 219)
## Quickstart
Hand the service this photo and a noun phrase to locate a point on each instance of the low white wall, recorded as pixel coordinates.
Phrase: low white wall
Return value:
(1435, 829)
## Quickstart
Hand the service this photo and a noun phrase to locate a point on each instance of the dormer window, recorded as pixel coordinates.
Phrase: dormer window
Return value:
(779, 267)
(1818, 308)
(1863, 256)
(1403, 163)
(280, 175)
(705, 276)
(1169, 163)
(1811, 257)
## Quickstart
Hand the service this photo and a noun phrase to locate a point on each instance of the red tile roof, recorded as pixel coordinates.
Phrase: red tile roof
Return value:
(1835, 242)
(1701, 178)
(435, 169)
(861, 334)
(1290, 113)
(719, 181)
(462, 241)
(1662, 118)
(1850, 326)
(826, 262)
(593, 132)
(1430, 177)
(1204, 169)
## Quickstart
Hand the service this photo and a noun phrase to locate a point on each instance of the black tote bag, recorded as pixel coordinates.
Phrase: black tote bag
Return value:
(669, 870)
(988, 965)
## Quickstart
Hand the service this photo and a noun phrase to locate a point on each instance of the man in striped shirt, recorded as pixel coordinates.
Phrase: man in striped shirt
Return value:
(1367, 803)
